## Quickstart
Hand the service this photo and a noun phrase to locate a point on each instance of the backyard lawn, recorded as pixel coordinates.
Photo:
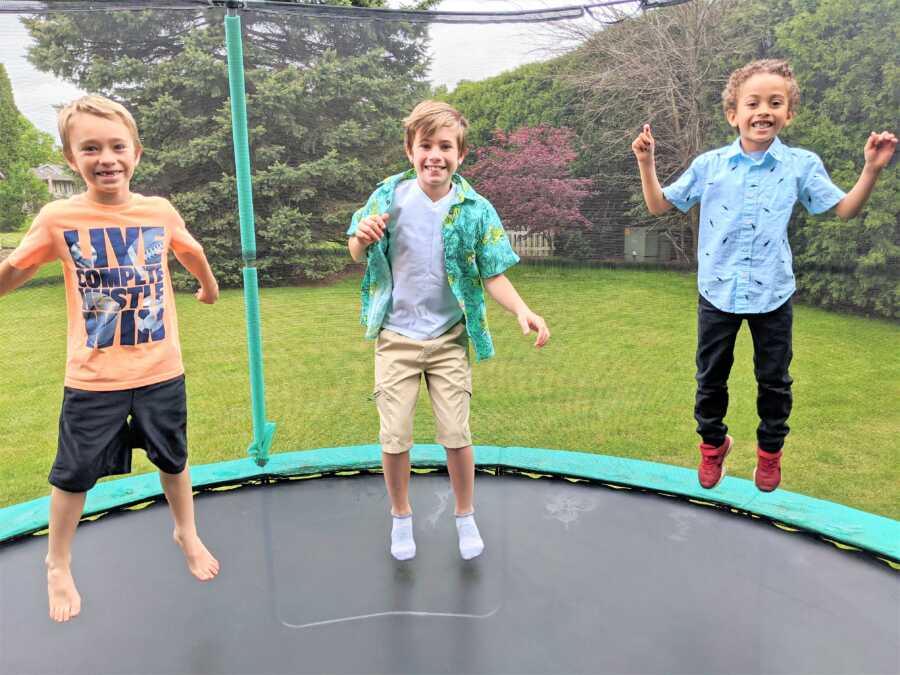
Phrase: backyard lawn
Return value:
(617, 378)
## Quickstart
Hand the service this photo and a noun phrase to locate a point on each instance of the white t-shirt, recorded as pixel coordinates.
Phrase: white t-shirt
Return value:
(422, 305)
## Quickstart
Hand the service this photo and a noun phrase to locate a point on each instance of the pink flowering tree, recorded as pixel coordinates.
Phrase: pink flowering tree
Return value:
(526, 174)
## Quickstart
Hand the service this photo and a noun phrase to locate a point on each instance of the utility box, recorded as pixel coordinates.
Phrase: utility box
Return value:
(645, 244)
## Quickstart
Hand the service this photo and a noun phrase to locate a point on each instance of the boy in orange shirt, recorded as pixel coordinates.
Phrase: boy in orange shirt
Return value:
(124, 384)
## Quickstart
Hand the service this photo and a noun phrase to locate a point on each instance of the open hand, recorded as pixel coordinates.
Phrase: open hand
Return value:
(372, 228)
(644, 146)
(879, 149)
(529, 321)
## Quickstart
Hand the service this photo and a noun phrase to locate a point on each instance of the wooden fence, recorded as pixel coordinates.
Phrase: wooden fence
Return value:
(535, 245)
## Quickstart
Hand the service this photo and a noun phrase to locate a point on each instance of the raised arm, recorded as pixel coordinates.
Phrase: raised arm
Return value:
(878, 152)
(12, 277)
(644, 148)
(501, 289)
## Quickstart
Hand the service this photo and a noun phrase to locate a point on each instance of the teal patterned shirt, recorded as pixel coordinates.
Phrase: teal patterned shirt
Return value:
(475, 247)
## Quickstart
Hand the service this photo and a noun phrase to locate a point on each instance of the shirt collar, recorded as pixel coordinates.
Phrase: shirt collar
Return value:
(775, 149)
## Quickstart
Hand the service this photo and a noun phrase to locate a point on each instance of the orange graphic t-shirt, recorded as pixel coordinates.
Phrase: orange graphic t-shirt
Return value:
(122, 328)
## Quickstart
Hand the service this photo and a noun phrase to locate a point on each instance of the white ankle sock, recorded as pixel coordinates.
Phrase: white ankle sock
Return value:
(470, 543)
(403, 546)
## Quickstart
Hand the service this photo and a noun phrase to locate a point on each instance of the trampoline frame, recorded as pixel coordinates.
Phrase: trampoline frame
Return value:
(845, 527)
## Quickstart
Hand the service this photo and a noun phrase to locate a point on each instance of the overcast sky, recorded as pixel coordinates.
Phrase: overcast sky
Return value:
(35, 92)
(460, 52)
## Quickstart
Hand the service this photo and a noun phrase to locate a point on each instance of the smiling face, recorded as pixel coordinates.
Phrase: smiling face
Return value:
(104, 154)
(435, 159)
(762, 111)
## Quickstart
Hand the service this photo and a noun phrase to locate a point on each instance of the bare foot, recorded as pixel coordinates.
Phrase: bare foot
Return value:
(199, 560)
(65, 603)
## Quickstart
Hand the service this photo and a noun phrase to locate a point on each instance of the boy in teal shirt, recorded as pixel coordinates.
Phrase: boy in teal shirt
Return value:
(432, 245)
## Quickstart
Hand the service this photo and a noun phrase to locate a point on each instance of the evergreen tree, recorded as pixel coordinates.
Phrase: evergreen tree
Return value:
(325, 99)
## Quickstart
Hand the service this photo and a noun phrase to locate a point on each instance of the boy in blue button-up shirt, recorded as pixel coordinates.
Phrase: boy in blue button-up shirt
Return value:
(747, 191)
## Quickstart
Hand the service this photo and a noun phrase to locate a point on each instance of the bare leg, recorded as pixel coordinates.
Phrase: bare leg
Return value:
(461, 467)
(179, 494)
(396, 478)
(65, 512)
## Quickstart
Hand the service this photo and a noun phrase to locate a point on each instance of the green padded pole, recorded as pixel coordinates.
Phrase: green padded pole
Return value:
(263, 430)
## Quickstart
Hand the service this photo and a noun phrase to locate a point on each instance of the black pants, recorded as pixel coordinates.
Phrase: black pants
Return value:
(716, 334)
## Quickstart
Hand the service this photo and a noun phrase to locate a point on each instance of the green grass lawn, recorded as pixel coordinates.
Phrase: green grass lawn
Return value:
(47, 273)
(617, 378)
(10, 239)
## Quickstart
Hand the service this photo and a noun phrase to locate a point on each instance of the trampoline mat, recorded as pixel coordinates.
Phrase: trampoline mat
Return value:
(575, 578)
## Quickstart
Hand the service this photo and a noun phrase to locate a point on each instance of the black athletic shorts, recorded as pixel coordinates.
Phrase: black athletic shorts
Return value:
(99, 429)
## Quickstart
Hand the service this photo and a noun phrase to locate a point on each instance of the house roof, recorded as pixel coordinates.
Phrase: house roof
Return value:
(52, 172)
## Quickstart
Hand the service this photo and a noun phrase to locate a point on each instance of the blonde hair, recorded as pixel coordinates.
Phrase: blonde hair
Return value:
(430, 116)
(99, 106)
(768, 66)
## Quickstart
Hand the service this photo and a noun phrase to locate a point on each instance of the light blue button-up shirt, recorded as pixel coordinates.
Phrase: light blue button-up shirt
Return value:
(744, 263)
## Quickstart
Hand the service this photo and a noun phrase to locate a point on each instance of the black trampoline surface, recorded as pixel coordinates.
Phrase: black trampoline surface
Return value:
(575, 578)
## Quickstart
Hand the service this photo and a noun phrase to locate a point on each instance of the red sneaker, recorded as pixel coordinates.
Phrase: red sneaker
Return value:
(767, 474)
(712, 463)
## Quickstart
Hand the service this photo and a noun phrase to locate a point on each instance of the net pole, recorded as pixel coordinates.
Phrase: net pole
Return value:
(263, 430)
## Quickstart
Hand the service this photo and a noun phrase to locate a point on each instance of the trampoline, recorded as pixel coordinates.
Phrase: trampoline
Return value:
(593, 565)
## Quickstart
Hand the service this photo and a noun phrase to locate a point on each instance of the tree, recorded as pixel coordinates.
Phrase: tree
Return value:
(324, 99)
(845, 56)
(9, 122)
(22, 147)
(526, 175)
(532, 95)
(666, 68)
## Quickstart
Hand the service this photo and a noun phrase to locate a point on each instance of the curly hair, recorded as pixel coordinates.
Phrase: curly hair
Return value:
(768, 66)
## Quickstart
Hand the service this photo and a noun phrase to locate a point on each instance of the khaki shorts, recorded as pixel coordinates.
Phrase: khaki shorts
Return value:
(400, 363)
